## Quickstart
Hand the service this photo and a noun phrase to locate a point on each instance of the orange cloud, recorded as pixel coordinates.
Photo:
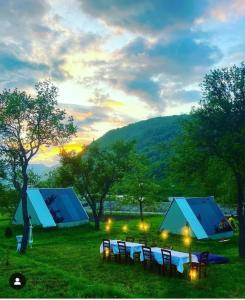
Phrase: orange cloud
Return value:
(49, 155)
(80, 116)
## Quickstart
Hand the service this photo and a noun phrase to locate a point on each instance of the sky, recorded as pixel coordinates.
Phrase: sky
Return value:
(116, 62)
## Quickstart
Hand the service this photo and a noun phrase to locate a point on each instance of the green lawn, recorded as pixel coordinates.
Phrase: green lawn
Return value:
(67, 263)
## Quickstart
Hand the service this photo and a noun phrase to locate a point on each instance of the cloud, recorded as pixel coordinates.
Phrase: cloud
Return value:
(9, 62)
(90, 117)
(185, 96)
(143, 16)
(34, 45)
(145, 69)
(226, 10)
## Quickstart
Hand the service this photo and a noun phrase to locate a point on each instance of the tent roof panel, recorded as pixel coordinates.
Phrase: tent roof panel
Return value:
(64, 205)
(207, 212)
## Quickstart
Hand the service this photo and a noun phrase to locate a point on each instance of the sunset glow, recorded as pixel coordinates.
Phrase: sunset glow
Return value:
(117, 62)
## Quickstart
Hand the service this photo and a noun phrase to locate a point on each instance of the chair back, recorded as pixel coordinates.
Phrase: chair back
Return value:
(204, 257)
(106, 244)
(143, 242)
(129, 239)
(166, 257)
(121, 247)
(146, 253)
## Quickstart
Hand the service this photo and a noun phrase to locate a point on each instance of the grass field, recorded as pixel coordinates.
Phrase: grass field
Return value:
(67, 263)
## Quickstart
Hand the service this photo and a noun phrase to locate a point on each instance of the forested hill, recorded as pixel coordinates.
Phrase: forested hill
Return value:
(147, 134)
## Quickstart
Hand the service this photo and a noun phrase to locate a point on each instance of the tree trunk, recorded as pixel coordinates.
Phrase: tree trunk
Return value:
(25, 214)
(241, 214)
(97, 222)
(141, 211)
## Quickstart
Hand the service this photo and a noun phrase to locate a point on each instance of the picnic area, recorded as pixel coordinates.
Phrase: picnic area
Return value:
(67, 263)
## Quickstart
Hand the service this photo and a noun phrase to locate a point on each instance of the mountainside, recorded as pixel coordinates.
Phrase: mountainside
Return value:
(147, 134)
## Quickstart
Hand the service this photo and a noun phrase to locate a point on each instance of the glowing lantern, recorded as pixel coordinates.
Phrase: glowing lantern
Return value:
(146, 227)
(107, 252)
(193, 274)
(141, 226)
(125, 228)
(187, 241)
(107, 228)
(186, 231)
(164, 234)
(109, 221)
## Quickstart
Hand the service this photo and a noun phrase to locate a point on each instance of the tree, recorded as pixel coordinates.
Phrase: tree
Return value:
(216, 130)
(26, 124)
(191, 172)
(8, 199)
(34, 178)
(94, 171)
(136, 184)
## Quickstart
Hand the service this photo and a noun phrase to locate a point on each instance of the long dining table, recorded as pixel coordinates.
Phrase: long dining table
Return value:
(131, 247)
(178, 258)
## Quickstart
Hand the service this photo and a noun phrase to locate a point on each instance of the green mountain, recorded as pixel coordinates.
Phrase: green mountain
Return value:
(148, 134)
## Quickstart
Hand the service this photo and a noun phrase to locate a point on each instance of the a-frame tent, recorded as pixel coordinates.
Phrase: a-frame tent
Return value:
(51, 207)
(202, 214)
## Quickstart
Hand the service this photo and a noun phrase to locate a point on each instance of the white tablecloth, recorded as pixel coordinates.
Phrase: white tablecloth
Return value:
(178, 258)
(130, 247)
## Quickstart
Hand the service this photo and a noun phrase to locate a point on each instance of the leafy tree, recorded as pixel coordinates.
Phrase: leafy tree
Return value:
(49, 179)
(94, 171)
(34, 178)
(26, 124)
(137, 185)
(216, 131)
(9, 199)
(193, 173)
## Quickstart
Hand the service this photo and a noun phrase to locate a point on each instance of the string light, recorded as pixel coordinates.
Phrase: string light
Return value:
(109, 221)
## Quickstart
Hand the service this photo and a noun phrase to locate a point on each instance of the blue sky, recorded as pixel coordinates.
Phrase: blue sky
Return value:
(117, 62)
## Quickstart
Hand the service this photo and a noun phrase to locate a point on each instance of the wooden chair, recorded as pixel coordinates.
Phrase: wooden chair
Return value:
(167, 266)
(129, 239)
(201, 266)
(148, 259)
(106, 249)
(137, 254)
(122, 255)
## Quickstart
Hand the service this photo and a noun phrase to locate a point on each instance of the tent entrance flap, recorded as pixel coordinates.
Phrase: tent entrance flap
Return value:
(40, 206)
(192, 219)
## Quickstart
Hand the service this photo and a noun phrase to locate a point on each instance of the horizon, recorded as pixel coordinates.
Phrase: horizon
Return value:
(116, 63)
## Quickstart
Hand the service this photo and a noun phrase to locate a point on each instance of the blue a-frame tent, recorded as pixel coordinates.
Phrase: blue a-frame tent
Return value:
(202, 214)
(51, 207)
